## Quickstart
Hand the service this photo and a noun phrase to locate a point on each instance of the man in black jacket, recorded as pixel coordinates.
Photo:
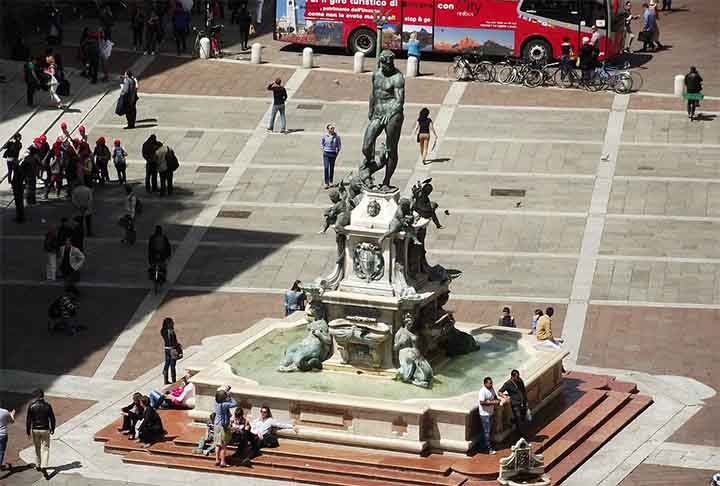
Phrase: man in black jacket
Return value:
(515, 389)
(40, 424)
(151, 171)
(12, 153)
(693, 87)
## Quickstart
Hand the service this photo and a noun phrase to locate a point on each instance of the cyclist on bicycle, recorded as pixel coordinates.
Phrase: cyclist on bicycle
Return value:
(159, 251)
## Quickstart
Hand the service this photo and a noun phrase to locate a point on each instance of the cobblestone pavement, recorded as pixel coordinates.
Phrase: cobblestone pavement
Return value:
(615, 229)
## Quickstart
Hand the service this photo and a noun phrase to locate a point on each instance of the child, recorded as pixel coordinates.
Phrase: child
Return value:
(118, 155)
(102, 158)
(206, 445)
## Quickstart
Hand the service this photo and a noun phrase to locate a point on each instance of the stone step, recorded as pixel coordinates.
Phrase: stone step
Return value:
(564, 468)
(311, 463)
(345, 454)
(261, 471)
(623, 386)
(613, 402)
(546, 436)
(486, 467)
(589, 381)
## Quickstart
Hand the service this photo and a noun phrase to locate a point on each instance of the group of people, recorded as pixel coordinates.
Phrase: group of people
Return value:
(148, 23)
(39, 426)
(541, 326)
(225, 428)
(70, 162)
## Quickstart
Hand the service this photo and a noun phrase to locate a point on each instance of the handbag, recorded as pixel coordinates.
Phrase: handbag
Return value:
(645, 36)
(120, 109)
(176, 352)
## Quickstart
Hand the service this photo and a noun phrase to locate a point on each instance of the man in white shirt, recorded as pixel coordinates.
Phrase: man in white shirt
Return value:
(488, 399)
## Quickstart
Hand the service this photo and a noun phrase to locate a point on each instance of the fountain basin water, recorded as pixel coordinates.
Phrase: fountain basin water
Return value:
(368, 410)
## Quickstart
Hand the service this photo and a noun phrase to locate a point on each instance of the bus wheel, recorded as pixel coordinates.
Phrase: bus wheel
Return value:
(537, 50)
(363, 40)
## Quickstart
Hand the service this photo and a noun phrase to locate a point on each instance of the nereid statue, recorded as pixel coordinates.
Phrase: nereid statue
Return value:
(402, 221)
(413, 367)
(308, 354)
(386, 112)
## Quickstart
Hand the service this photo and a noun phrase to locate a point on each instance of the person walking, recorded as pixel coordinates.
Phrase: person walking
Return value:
(71, 260)
(138, 28)
(588, 60)
(6, 417)
(221, 427)
(32, 82)
(279, 98)
(153, 29)
(693, 91)
(40, 425)
(488, 400)
(130, 213)
(244, 23)
(148, 152)
(18, 188)
(629, 17)
(129, 92)
(53, 83)
(656, 32)
(170, 344)
(162, 156)
(92, 51)
(514, 389)
(12, 154)
(181, 27)
(51, 246)
(119, 156)
(330, 144)
(667, 5)
(102, 159)
(423, 126)
(649, 26)
(82, 199)
(413, 49)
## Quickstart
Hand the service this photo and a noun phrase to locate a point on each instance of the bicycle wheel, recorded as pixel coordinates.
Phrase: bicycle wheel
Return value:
(484, 71)
(637, 80)
(596, 83)
(549, 76)
(565, 79)
(622, 83)
(533, 78)
(455, 71)
(506, 74)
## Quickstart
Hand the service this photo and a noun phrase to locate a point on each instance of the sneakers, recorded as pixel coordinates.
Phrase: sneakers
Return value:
(492, 452)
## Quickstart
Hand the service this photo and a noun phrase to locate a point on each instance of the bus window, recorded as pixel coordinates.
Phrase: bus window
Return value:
(592, 11)
(560, 10)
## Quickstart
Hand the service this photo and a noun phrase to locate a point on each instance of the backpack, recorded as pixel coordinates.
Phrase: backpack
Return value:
(172, 161)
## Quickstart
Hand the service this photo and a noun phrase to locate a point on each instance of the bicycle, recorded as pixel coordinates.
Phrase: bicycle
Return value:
(617, 79)
(215, 41)
(468, 66)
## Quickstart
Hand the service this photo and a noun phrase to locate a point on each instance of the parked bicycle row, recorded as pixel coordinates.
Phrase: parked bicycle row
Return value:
(566, 73)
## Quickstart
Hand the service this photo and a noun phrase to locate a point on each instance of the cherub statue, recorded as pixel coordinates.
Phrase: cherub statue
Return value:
(309, 354)
(421, 202)
(339, 213)
(402, 221)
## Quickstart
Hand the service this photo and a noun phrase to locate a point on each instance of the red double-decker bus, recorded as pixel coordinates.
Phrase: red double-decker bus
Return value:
(528, 28)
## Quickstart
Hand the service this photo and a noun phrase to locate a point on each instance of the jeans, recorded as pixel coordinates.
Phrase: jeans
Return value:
(486, 421)
(166, 183)
(3, 446)
(519, 415)
(181, 40)
(329, 165)
(667, 5)
(691, 106)
(151, 177)
(169, 364)
(275, 110)
(41, 441)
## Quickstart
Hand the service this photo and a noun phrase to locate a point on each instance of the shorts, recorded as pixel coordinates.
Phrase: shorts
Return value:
(221, 436)
(423, 136)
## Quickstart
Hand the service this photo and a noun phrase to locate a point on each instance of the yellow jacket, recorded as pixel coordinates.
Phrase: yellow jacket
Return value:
(543, 330)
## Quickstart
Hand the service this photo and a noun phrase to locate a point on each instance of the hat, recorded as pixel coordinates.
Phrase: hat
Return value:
(63, 126)
(586, 40)
(43, 137)
(81, 129)
(100, 141)
(117, 141)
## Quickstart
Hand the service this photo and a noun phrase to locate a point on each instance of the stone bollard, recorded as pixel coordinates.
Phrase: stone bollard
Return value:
(256, 53)
(307, 61)
(679, 85)
(204, 48)
(359, 62)
(412, 67)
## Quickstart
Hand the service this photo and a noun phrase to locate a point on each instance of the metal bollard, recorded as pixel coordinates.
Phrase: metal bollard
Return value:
(204, 48)
(679, 85)
(256, 53)
(359, 62)
(307, 61)
(412, 67)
